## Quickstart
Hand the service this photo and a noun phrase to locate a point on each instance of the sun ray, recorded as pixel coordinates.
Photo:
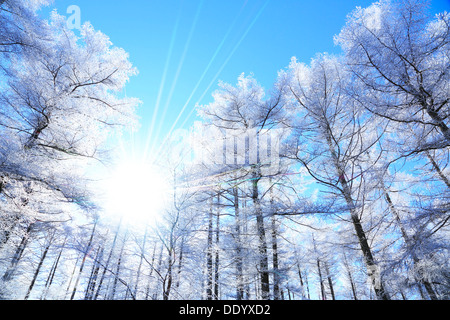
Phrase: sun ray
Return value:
(163, 81)
(255, 19)
(180, 65)
(207, 67)
(216, 76)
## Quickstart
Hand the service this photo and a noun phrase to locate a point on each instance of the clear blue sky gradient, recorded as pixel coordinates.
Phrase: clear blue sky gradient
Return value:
(182, 48)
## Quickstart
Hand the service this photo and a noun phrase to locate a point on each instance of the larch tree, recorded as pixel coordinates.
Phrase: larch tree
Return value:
(400, 54)
(60, 100)
(396, 48)
(331, 140)
(244, 111)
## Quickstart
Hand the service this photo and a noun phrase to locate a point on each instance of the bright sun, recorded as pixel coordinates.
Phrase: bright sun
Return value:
(137, 192)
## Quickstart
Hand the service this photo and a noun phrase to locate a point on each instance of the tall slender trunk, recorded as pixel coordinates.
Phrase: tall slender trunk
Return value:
(51, 275)
(371, 265)
(87, 251)
(438, 170)
(71, 276)
(168, 279)
(38, 269)
(238, 241)
(167, 285)
(117, 272)
(275, 266)
(108, 260)
(246, 277)
(322, 287)
(307, 285)
(319, 270)
(209, 257)
(216, 262)
(94, 275)
(350, 277)
(18, 254)
(147, 291)
(257, 283)
(140, 263)
(180, 263)
(319, 264)
(276, 271)
(262, 246)
(330, 281)
(420, 279)
(158, 268)
(302, 281)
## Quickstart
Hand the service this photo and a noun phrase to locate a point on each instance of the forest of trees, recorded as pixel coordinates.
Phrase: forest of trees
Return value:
(353, 206)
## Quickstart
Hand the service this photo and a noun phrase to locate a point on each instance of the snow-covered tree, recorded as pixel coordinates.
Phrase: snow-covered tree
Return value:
(61, 98)
(332, 140)
(401, 54)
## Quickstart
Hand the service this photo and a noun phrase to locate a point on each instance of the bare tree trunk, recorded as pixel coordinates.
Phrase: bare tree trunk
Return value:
(171, 247)
(330, 282)
(209, 258)
(87, 251)
(38, 269)
(370, 262)
(276, 271)
(239, 262)
(117, 272)
(245, 264)
(158, 269)
(257, 284)
(167, 285)
(51, 275)
(140, 263)
(94, 275)
(216, 262)
(322, 287)
(350, 277)
(106, 266)
(71, 276)
(319, 270)
(420, 279)
(147, 291)
(262, 247)
(438, 170)
(18, 254)
(180, 262)
(302, 282)
(372, 268)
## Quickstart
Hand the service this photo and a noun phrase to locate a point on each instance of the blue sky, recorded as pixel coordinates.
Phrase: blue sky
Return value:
(182, 48)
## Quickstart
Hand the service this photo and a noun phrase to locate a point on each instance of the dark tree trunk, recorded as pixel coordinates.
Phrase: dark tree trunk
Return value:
(86, 253)
(18, 254)
(36, 273)
(262, 247)
(209, 258)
